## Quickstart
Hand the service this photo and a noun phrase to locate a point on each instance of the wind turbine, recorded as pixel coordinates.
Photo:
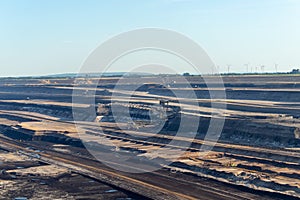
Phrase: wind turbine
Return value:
(218, 69)
(247, 67)
(228, 68)
(262, 68)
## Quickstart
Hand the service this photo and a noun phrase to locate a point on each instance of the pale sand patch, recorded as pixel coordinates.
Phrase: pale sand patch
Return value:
(12, 157)
(47, 170)
(49, 126)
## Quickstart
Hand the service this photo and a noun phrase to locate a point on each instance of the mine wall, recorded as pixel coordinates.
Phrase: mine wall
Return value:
(284, 96)
(63, 112)
(238, 131)
(59, 139)
(14, 133)
(20, 133)
(241, 131)
(21, 96)
(230, 176)
(259, 133)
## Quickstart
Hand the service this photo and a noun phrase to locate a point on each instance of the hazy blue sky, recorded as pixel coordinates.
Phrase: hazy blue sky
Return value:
(55, 36)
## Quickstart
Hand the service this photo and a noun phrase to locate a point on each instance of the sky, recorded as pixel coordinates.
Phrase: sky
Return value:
(56, 36)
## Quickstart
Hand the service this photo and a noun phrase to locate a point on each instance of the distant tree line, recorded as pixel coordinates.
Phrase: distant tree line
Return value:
(295, 71)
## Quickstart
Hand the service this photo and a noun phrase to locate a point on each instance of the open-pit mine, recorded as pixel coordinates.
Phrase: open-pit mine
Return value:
(43, 154)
